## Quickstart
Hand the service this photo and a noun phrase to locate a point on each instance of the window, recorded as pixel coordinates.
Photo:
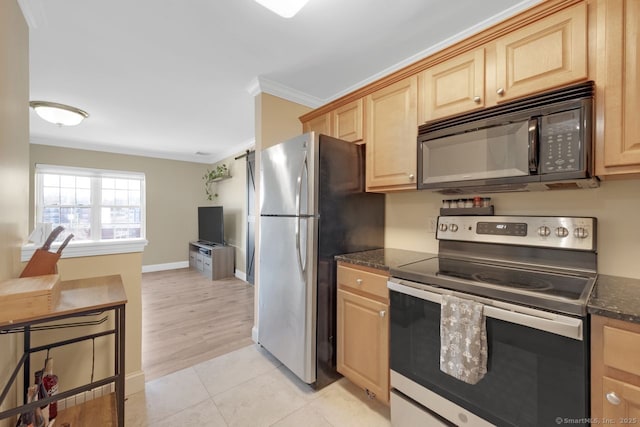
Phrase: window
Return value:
(92, 204)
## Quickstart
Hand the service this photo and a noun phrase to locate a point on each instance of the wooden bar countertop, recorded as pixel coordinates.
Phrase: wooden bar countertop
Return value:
(78, 296)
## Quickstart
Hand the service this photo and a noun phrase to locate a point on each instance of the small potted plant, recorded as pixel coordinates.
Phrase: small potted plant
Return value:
(218, 173)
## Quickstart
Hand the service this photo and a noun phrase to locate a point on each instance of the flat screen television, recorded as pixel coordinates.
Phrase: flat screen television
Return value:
(210, 225)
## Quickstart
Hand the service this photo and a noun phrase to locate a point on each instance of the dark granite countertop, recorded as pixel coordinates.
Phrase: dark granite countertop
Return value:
(612, 296)
(383, 259)
(616, 297)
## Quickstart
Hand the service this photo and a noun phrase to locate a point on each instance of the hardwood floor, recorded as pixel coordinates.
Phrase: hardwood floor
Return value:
(188, 319)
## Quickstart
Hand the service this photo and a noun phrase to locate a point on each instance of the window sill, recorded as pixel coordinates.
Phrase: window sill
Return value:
(83, 249)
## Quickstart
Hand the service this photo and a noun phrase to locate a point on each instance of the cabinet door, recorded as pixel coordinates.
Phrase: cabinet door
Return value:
(199, 262)
(619, 102)
(620, 402)
(452, 87)
(193, 256)
(363, 342)
(391, 131)
(546, 54)
(347, 121)
(321, 124)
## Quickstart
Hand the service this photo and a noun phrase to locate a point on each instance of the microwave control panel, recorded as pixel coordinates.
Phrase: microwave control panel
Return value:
(560, 142)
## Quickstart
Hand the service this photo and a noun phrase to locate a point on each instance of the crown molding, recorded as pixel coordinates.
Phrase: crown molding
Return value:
(91, 146)
(254, 87)
(495, 19)
(232, 152)
(261, 84)
(33, 12)
(193, 158)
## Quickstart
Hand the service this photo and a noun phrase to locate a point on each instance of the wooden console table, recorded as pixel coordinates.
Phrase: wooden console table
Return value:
(77, 298)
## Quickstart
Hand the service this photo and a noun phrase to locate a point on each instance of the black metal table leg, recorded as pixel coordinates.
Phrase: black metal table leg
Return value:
(27, 363)
(120, 371)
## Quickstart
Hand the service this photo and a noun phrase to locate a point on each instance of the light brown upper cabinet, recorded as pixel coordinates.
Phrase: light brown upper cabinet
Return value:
(453, 87)
(391, 131)
(347, 121)
(321, 124)
(546, 54)
(618, 77)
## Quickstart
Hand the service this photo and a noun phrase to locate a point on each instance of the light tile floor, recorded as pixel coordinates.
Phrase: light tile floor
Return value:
(249, 387)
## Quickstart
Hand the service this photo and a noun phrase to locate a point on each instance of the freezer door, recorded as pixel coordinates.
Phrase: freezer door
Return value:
(287, 292)
(287, 183)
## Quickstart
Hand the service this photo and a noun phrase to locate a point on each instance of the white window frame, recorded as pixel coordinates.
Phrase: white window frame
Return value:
(94, 246)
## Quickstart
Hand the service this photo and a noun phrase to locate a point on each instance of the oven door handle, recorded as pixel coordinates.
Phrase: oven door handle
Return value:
(549, 322)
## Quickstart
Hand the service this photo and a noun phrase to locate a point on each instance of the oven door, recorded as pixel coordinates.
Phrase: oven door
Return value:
(535, 377)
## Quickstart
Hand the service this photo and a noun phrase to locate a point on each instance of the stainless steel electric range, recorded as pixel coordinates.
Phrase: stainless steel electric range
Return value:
(534, 276)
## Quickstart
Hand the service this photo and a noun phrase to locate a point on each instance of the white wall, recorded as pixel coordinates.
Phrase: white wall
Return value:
(615, 204)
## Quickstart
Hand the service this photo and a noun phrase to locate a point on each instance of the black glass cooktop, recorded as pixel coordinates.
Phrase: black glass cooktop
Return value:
(532, 287)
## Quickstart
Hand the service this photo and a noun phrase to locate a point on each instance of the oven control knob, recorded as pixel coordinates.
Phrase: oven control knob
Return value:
(443, 227)
(562, 232)
(453, 228)
(544, 231)
(581, 233)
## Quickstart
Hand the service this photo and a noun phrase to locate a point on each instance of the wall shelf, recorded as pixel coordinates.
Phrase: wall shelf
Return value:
(221, 178)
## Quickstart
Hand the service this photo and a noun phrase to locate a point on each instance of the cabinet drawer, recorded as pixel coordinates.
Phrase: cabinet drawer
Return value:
(206, 261)
(621, 349)
(364, 281)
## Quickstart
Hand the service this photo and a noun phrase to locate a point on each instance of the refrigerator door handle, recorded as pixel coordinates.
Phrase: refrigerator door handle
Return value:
(299, 254)
(304, 168)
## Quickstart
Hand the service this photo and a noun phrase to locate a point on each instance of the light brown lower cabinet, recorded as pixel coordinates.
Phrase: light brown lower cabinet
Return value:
(615, 372)
(363, 330)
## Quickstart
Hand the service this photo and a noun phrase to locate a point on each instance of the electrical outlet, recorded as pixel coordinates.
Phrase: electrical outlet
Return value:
(431, 224)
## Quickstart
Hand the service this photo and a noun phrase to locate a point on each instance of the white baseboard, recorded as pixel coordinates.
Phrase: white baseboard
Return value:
(133, 382)
(254, 334)
(163, 267)
(182, 264)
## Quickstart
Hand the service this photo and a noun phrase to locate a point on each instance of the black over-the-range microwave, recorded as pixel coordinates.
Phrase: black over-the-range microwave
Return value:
(536, 143)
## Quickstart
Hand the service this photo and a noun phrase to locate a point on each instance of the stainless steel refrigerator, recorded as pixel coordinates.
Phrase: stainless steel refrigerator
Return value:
(312, 207)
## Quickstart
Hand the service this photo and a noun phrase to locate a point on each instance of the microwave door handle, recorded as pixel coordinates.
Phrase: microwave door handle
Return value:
(533, 145)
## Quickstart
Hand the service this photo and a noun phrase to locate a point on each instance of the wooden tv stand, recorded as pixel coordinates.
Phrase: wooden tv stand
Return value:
(214, 261)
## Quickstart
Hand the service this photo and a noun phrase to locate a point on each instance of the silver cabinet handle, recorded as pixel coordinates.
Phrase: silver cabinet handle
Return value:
(500, 91)
(382, 313)
(411, 177)
(613, 398)
(359, 281)
(477, 99)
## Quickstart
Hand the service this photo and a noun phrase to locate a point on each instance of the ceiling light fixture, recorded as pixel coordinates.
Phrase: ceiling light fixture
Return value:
(59, 114)
(284, 8)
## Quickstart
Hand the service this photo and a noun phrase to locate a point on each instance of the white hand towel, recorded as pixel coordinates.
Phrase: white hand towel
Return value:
(463, 339)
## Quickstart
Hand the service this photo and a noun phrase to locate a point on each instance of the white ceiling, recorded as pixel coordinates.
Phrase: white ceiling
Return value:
(169, 78)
